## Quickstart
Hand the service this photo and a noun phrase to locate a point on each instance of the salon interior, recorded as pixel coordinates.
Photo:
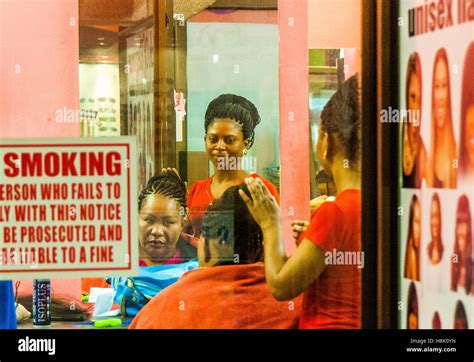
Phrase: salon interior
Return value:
(151, 68)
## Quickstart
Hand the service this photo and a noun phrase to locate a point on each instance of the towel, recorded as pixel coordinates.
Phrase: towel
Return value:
(220, 297)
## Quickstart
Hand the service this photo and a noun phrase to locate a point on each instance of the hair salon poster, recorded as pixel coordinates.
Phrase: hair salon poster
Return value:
(436, 118)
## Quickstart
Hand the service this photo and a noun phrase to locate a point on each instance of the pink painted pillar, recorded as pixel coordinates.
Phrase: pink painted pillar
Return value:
(294, 114)
(39, 66)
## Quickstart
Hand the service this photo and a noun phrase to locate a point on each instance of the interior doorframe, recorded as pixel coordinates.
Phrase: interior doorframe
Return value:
(380, 165)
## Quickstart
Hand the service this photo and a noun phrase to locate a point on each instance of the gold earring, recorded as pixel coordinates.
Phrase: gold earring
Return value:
(246, 151)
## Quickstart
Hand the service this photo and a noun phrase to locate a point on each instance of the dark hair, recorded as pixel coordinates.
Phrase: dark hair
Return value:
(228, 218)
(460, 315)
(467, 100)
(413, 68)
(322, 177)
(463, 214)
(412, 302)
(410, 243)
(436, 321)
(340, 118)
(237, 108)
(439, 242)
(167, 184)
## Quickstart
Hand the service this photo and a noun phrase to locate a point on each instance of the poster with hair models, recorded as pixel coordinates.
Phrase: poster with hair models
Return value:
(436, 116)
(140, 93)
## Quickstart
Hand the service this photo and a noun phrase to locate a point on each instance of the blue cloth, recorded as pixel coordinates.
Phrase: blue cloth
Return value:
(132, 293)
(7, 306)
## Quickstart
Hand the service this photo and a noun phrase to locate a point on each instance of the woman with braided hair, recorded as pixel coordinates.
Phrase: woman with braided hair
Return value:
(229, 127)
(228, 290)
(162, 214)
(165, 253)
(330, 287)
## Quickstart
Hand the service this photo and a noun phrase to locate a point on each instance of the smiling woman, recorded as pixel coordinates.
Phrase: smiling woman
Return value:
(230, 123)
(443, 159)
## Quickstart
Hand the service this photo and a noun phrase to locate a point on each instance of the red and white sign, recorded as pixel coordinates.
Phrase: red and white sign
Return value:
(68, 208)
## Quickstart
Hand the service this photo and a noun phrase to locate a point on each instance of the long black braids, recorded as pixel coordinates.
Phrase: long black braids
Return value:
(237, 108)
(167, 184)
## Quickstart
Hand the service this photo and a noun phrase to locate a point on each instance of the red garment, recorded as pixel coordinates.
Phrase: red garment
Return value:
(220, 297)
(88, 283)
(333, 300)
(200, 197)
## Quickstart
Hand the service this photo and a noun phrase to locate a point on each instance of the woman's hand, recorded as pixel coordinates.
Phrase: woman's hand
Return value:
(298, 227)
(262, 205)
(315, 203)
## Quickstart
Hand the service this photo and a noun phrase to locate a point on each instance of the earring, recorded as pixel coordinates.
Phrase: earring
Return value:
(246, 151)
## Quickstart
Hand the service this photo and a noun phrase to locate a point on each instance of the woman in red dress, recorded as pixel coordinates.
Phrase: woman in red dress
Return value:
(230, 123)
(327, 264)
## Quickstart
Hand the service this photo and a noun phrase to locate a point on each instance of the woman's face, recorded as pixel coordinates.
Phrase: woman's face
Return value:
(224, 138)
(412, 321)
(416, 225)
(461, 235)
(435, 220)
(414, 103)
(441, 92)
(469, 134)
(160, 224)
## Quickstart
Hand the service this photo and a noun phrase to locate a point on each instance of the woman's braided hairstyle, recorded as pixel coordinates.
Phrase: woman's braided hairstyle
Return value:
(167, 184)
(340, 118)
(237, 108)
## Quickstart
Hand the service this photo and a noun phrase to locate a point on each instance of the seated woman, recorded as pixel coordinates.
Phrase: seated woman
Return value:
(229, 290)
(162, 207)
(165, 252)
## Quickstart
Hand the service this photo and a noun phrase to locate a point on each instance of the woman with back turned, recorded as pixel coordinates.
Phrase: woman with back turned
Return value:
(331, 291)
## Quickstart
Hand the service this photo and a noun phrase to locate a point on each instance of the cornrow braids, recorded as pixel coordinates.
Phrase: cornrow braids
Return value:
(340, 117)
(228, 220)
(235, 107)
(167, 184)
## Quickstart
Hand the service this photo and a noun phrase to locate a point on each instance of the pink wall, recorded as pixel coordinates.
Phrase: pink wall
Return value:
(334, 24)
(294, 115)
(39, 62)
